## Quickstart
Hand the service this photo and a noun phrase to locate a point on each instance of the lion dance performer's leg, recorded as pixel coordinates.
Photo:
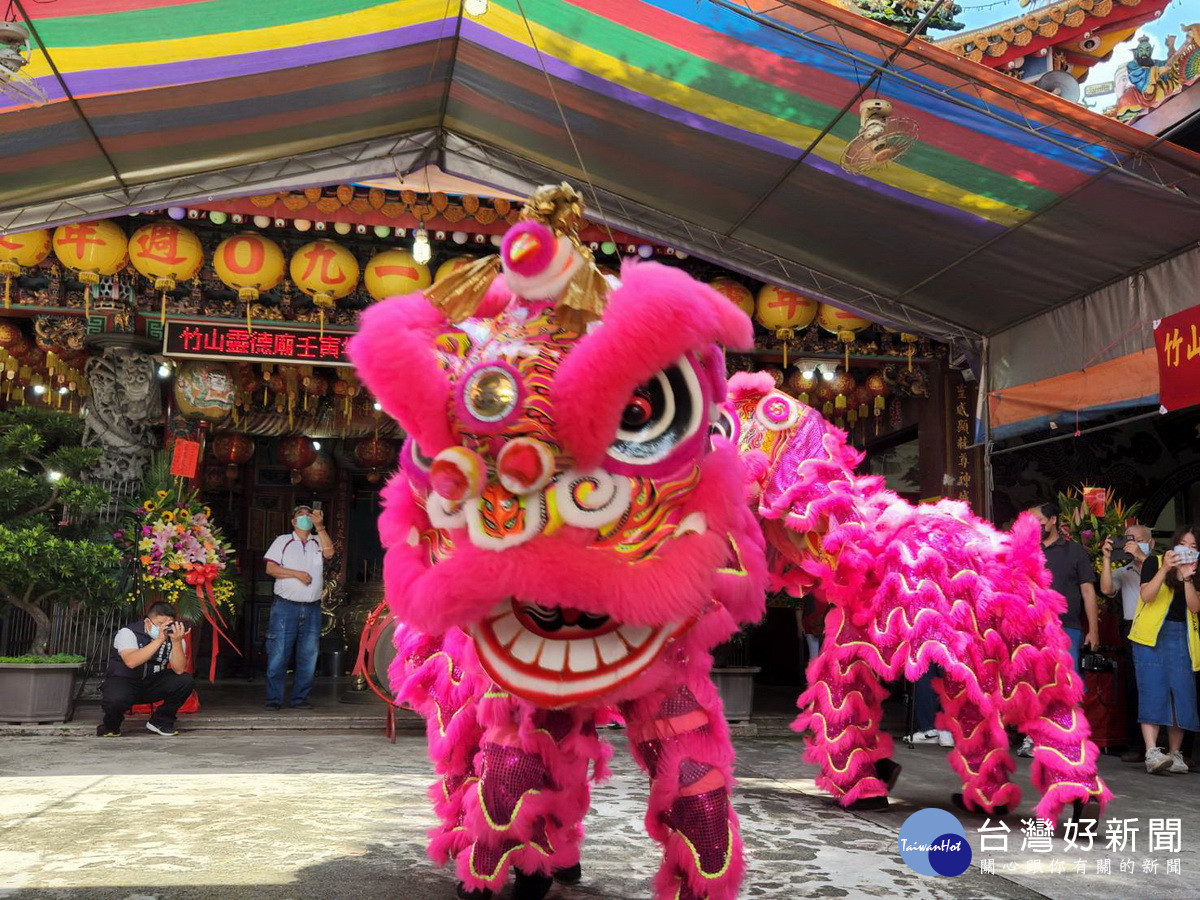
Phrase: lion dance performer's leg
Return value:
(428, 676)
(679, 736)
(842, 709)
(980, 755)
(526, 808)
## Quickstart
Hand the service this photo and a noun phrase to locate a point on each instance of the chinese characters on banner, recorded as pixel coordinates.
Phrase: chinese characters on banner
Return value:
(208, 341)
(185, 458)
(1177, 346)
(963, 460)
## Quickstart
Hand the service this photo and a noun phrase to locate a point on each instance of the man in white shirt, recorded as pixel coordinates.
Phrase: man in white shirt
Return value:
(297, 563)
(1137, 544)
(147, 664)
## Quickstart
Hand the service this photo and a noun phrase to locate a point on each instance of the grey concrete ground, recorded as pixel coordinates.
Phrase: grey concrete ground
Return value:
(225, 814)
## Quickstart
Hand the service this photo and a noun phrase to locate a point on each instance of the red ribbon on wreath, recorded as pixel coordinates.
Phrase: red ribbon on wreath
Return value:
(202, 576)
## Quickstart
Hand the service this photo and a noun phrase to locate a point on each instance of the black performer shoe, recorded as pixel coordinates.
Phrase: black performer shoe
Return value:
(569, 875)
(888, 770)
(869, 804)
(477, 894)
(957, 800)
(531, 887)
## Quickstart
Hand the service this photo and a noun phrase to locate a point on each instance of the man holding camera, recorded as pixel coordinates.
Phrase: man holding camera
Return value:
(1131, 548)
(297, 563)
(148, 664)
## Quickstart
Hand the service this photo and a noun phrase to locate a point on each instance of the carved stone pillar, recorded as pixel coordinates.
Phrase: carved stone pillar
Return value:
(124, 407)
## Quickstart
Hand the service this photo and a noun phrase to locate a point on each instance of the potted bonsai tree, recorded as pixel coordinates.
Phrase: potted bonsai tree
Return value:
(52, 550)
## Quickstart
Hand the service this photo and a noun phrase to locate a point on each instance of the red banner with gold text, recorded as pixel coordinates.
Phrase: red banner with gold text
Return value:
(1177, 346)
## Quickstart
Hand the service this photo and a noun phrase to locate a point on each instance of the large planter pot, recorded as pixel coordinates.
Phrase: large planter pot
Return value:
(37, 692)
(735, 684)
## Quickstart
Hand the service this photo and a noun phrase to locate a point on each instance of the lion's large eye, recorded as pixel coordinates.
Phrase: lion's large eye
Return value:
(660, 414)
(422, 461)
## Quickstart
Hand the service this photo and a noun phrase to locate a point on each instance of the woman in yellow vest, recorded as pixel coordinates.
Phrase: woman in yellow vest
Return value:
(1166, 647)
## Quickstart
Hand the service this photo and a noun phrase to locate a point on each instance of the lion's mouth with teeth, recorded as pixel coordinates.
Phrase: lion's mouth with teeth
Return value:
(557, 656)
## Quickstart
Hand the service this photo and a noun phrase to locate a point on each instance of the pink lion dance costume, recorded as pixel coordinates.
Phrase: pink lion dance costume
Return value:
(567, 535)
(909, 586)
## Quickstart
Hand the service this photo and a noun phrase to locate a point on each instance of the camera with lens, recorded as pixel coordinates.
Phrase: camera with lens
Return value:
(1118, 549)
(1095, 661)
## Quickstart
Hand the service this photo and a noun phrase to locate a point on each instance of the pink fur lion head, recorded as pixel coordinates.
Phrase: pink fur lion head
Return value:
(563, 497)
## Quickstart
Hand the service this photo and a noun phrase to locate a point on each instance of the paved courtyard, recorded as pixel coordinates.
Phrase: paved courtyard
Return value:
(342, 814)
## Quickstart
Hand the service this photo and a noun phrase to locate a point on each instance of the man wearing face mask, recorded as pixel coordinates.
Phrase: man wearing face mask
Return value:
(1135, 545)
(297, 563)
(1072, 576)
(148, 664)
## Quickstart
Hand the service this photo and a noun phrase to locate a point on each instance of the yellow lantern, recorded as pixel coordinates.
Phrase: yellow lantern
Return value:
(91, 250)
(783, 312)
(450, 266)
(165, 253)
(394, 273)
(325, 271)
(735, 291)
(249, 264)
(844, 324)
(21, 251)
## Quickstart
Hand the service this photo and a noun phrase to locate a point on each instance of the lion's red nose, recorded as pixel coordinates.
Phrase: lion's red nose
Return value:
(525, 465)
(457, 473)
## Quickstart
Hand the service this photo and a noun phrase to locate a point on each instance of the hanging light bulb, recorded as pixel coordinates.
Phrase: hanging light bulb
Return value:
(421, 250)
(474, 8)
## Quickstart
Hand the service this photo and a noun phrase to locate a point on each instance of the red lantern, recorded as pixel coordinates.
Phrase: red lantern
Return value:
(843, 386)
(214, 478)
(374, 454)
(10, 336)
(316, 385)
(233, 450)
(861, 400)
(320, 475)
(296, 453)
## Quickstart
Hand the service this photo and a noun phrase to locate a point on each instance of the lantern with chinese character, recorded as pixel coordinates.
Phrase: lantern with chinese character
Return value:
(783, 312)
(11, 337)
(249, 264)
(843, 385)
(325, 271)
(319, 475)
(374, 453)
(877, 386)
(91, 250)
(394, 273)
(296, 453)
(204, 391)
(233, 450)
(452, 265)
(165, 253)
(735, 291)
(861, 400)
(21, 251)
(841, 323)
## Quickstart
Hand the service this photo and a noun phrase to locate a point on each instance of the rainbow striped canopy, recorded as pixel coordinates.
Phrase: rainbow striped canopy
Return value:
(698, 122)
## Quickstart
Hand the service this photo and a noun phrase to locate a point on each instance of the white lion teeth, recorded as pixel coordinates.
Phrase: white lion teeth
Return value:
(581, 655)
(635, 635)
(554, 656)
(506, 629)
(526, 647)
(611, 648)
(413, 537)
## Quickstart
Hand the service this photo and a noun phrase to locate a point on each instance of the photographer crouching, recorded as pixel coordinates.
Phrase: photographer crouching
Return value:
(147, 664)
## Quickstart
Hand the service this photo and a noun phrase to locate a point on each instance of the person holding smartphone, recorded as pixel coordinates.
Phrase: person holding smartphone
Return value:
(1166, 638)
(147, 664)
(297, 563)
(1133, 547)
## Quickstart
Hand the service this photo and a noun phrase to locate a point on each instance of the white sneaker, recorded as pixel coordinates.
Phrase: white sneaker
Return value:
(1178, 766)
(922, 737)
(945, 739)
(1026, 747)
(150, 726)
(1157, 762)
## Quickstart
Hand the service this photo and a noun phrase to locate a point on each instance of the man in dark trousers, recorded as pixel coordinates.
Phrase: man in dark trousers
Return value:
(147, 664)
(1073, 576)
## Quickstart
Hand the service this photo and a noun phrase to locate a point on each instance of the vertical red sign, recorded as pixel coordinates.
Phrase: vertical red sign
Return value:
(185, 458)
(1177, 346)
